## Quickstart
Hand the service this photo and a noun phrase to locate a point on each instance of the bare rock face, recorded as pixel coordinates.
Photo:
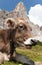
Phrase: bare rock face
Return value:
(41, 28)
(3, 16)
(35, 29)
(20, 10)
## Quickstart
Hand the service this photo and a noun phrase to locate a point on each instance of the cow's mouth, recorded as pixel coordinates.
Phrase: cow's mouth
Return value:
(20, 44)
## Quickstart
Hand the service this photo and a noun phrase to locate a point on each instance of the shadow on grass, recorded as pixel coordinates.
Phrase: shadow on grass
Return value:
(22, 59)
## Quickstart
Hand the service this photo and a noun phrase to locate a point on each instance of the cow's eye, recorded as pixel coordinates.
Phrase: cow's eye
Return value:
(21, 27)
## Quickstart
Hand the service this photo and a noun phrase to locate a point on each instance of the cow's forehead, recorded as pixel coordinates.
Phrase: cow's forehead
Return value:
(21, 21)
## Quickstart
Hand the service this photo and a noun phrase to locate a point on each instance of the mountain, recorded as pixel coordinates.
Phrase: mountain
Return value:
(19, 11)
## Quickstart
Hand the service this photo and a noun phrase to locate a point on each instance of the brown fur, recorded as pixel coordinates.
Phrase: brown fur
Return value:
(5, 36)
(4, 41)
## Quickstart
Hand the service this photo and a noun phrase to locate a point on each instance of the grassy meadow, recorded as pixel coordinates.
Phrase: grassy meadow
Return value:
(35, 54)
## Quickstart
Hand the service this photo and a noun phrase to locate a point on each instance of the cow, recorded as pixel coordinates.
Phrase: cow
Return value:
(22, 33)
(16, 32)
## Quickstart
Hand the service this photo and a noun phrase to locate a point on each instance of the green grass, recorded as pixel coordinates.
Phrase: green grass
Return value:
(11, 63)
(35, 54)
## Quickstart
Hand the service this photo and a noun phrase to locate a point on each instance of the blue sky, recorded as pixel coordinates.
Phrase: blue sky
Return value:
(10, 4)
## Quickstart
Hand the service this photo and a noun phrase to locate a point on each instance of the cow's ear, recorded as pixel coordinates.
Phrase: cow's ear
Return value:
(10, 22)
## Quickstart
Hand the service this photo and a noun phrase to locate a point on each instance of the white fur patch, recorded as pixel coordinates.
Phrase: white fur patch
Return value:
(4, 57)
(37, 38)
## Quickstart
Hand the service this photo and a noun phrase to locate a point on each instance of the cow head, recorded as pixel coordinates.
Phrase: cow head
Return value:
(23, 31)
(20, 30)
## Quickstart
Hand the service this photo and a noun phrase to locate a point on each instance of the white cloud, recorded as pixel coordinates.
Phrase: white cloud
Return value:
(35, 14)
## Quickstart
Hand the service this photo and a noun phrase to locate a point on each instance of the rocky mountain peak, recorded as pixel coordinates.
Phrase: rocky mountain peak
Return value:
(20, 10)
(20, 7)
